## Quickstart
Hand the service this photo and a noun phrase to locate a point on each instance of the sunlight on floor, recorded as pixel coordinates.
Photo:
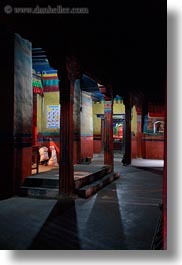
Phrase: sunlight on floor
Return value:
(147, 162)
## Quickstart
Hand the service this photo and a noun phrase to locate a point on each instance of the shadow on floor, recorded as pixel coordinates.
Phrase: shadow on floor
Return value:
(92, 224)
(154, 170)
(60, 229)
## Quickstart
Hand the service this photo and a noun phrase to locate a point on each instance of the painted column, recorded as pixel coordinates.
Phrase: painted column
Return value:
(68, 75)
(34, 127)
(16, 118)
(23, 109)
(139, 134)
(108, 134)
(7, 109)
(127, 155)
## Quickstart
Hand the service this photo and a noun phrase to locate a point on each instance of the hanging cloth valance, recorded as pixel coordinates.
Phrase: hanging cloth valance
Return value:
(50, 81)
(37, 84)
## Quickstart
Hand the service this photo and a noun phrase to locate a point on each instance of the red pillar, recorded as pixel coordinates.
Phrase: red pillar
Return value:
(69, 73)
(108, 134)
(127, 155)
(165, 180)
(34, 128)
(66, 172)
(77, 123)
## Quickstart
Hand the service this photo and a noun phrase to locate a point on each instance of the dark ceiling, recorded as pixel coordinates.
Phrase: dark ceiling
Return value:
(119, 43)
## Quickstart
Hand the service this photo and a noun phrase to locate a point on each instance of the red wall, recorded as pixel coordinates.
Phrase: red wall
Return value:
(134, 148)
(153, 147)
(148, 146)
(137, 143)
(86, 146)
(97, 146)
(23, 164)
(76, 151)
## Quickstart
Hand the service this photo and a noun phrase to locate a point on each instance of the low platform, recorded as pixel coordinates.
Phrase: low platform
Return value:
(88, 180)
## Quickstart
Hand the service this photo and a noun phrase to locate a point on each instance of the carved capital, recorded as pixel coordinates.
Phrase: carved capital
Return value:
(139, 110)
(73, 69)
(128, 102)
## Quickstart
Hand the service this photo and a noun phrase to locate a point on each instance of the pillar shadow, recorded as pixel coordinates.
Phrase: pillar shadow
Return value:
(154, 170)
(59, 232)
(104, 229)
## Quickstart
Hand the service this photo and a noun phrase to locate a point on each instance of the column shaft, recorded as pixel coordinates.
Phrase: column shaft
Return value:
(127, 155)
(66, 169)
(108, 134)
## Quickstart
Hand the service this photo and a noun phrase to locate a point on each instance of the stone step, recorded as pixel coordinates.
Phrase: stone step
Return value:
(48, 186)
(53, 182)
(38, 192)
(41, 182)
(90, 189)
(80, 182)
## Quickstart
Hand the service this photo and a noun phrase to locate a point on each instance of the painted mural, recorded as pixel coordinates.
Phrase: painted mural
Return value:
(50, 108)
(53, 116)
(86, 115)
(86, 125)
(153, 125)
